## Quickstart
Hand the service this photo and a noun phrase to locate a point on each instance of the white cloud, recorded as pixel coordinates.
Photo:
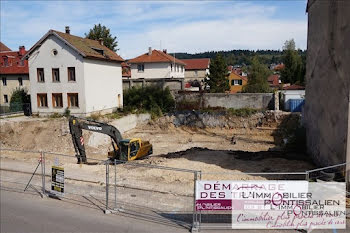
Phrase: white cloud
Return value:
(189, 26)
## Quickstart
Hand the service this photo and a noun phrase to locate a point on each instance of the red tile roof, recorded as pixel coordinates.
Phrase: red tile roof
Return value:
(86, 47)
(197, 64)
(4, 47)
(274, 80)
(279, 67)
(294, 87)
(14, 63)
(156, 56)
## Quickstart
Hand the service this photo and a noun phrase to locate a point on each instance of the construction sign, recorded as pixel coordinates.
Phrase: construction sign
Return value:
(57, 180)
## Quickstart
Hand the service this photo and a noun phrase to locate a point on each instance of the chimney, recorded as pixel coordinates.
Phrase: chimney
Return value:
(100, 40)
(67, 30)
(150, 51)
(165, 51)
(21, 50)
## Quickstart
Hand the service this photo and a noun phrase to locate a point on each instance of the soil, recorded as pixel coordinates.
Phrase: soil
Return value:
(219, 153)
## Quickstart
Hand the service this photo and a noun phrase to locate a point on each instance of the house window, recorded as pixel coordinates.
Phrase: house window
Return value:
(171, 67)
(182, 69)
(4, 81)
(20, 81)
(40, 75)
(73, 100)
(235, 82)
(55, 75)
(140, 67)
(21, 63)
(6, 61)
(196, 73)
(71, 74)
(57, 100)
(42, 100)
(6, 99)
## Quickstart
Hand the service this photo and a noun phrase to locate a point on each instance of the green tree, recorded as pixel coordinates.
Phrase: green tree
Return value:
(217, 78)
(294, 70)
(257, 79)
(99, 31)
(18, 98)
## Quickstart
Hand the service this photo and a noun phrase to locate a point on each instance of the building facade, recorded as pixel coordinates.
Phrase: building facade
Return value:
(14, 73)
(237, 82)
(71, 72)
(156, 65)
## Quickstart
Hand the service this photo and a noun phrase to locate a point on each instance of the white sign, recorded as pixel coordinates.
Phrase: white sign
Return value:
(288, 205)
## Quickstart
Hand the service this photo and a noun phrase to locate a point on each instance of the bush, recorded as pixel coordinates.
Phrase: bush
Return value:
(55, 115)
(18, 98)
(66, 112)
(153, 99)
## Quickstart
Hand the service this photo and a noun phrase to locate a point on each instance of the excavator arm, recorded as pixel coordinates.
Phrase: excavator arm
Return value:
(76, 126)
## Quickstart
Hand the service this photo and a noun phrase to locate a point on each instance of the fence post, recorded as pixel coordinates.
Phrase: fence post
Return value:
(107, 211)
(307, 176)
(42, 160)
(195, 227)
(115, 184)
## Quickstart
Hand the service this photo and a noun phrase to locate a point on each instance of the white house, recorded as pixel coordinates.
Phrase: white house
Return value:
(156, 64)
(292, 92)
(67, 71)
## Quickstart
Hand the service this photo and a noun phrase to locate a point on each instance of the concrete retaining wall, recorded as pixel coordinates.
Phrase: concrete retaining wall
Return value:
(225, 100)
(174, 84)
(123, 124)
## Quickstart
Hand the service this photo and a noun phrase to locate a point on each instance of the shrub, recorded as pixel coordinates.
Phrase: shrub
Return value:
(55, 115)
(94, 116)
(18, 98)
(66, 112)
(151, 99)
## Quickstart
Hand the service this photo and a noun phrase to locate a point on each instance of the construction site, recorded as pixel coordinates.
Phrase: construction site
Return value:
(243, 145)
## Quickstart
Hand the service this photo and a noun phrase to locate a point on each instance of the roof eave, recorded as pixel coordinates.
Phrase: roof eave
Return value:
(38, 44)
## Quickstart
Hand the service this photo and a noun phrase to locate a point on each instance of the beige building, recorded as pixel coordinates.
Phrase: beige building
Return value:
(13, 72)
(195, 72)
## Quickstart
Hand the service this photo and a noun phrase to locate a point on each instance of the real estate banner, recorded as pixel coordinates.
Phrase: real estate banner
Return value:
(213, 195)
(57, 180)
(277, 204)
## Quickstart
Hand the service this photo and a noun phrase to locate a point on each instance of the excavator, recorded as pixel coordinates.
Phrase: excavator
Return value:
(123, 149)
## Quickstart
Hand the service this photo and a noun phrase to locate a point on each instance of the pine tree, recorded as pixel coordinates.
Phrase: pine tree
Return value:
(294, 67)
(99, 31)
(257, 79)
(217, 81)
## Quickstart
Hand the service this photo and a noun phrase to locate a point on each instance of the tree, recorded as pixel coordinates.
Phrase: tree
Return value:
(294, 66)
(103, 32)
(18, 98)
(217, 78)
(257, 79)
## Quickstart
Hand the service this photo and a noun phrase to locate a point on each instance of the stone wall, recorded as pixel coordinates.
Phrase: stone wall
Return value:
(226, 100)
(174, 84)
(327, 81)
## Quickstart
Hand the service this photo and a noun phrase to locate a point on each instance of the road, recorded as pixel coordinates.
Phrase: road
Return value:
(27, 212)
(30, 213)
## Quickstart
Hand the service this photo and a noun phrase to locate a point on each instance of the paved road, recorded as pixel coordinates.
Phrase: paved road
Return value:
(29, 213)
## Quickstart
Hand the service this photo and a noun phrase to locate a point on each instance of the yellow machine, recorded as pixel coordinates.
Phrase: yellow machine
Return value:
(131, 149)
(123, 149)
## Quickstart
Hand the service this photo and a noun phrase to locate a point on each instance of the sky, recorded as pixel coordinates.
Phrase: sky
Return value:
(178, 26)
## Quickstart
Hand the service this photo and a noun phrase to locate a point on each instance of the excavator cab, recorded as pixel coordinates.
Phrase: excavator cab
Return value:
(131, 149)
